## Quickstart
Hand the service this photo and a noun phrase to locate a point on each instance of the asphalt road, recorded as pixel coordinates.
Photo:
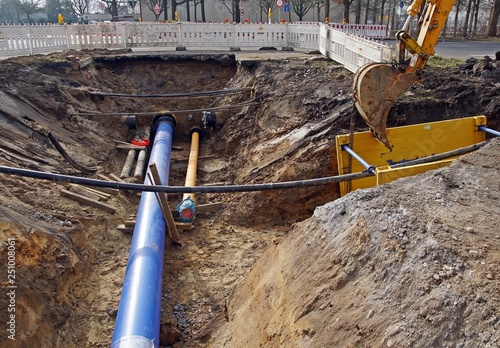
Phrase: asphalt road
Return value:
(459, 49)
(466, 49)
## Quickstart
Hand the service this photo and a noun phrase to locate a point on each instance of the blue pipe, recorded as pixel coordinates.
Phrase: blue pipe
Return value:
(138, 319)
(368, 167)
(489, 130)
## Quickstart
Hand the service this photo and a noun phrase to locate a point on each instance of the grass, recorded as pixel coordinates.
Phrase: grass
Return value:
(440, 62)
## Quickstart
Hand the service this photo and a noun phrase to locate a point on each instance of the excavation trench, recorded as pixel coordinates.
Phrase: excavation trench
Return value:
(71, 259)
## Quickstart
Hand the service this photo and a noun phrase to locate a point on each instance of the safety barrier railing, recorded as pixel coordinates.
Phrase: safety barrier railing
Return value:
(349, 44)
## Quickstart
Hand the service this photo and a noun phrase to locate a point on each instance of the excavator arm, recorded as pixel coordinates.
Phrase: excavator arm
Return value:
(377, 85)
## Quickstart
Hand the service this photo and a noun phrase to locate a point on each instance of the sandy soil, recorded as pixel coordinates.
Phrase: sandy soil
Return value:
(405, 264)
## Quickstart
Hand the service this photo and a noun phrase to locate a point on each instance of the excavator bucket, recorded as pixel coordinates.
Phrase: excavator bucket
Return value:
(376, 88)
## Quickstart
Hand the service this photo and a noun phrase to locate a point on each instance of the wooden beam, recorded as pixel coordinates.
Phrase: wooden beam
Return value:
(154, 177)
(85, 200)
(125, 229)
(84, 192)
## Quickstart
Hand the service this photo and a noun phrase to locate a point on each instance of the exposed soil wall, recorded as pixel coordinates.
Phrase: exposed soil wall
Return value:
(71, 259)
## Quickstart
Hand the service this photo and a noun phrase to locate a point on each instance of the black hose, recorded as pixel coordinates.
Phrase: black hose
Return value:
(173, 95)
(60, 149)
(154, 113)
(182, 189)
(226, 188)
(441, 156)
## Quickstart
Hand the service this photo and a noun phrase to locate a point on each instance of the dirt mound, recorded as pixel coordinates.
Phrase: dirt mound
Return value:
(411, 264)
(72, 259)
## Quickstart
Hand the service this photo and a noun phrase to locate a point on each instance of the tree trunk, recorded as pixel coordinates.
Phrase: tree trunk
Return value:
(455, 24)
(327, 8)
(347, 9)
(358, 12)
(476, 15)
(466, 20)
(495, 14)
(367, 11)
(203, 16)
(188, 12)
(165, 8)
(174, 8)
(382, 12)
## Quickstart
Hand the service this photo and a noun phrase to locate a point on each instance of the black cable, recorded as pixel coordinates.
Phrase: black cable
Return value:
(444, 155)
(227, 188)
(154, 113)
(182, 189)
(173, 95)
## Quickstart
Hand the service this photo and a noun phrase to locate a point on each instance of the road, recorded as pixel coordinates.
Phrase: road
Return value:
(465, 49)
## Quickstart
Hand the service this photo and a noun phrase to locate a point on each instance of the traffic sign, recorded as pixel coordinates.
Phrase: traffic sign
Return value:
(286, 8)
(156, 9)
(279, 3)
(242, 12)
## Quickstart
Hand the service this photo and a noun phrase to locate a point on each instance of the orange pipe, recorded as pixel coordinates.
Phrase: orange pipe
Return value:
(192, 164)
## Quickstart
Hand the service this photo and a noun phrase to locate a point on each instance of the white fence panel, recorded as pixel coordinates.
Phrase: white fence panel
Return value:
(152, 34)
(303, 35)
(207, 35)
(47, 38)
(255, 35)
(324, 41)
(14, 40)
(340, 42)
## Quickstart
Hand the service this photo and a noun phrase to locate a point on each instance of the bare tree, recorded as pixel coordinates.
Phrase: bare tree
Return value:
(29, 7)
(80, 7)
(347, 8)
(495, 14)
(151, 5)
(233, 6)
(467, 18)
(301, 7)
(9, 12)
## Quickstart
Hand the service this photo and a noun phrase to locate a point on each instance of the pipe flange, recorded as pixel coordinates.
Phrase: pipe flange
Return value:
(164, 118)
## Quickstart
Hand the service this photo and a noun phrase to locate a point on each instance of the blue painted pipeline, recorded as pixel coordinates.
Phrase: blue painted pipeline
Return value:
(138, 319)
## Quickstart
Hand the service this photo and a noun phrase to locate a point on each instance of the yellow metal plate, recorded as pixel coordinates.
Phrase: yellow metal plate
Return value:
(408, 143)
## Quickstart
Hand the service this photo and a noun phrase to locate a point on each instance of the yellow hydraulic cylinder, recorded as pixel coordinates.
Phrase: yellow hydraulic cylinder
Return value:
(186, 208)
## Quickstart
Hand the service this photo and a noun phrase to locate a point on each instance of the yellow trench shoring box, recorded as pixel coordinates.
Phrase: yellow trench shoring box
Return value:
(408, 143)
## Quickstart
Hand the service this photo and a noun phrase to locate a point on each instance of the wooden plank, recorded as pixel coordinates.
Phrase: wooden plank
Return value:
(84, 192)
(97, 192)
(184, 225)
(124, 229)
(106, 190)
(200, 209)
(130, 147)
(116, 177)
(102, 195)
(163, 202)
(103, 177)
(208, 208)
(85, 200)
(130, 223)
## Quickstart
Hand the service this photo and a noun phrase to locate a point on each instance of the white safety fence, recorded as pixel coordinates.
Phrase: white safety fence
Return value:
(350, 50)
(349, 44)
